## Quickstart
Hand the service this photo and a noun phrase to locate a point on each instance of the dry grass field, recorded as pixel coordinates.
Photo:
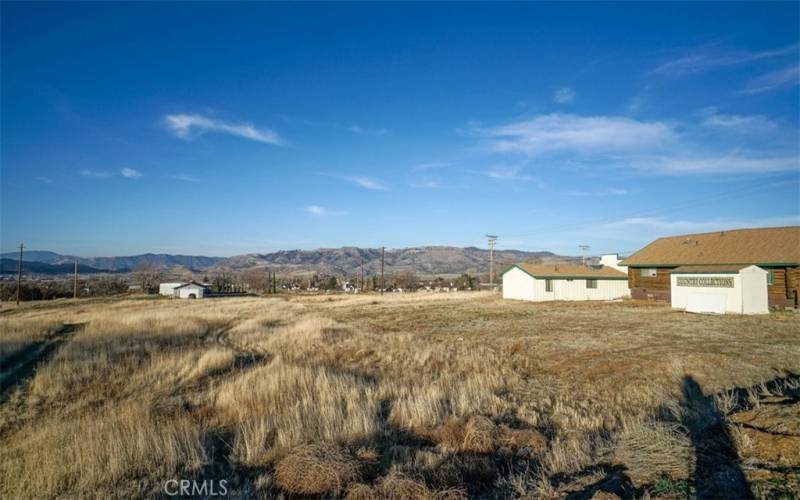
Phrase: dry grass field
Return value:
(408, 396)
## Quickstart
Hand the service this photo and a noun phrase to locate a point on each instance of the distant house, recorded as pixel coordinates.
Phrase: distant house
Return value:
(716, 255)
(190, 290)
(540, 282)
(168, 289)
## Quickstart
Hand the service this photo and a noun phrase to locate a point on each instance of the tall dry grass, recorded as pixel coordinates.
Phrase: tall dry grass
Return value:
(432, 395)
(16, 334)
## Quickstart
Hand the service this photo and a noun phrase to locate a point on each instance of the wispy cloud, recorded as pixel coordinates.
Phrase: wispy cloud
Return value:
(97, 174)
(432, 165)
(130, 173)
(42, 178)
(322, 211)
(782, 78)
(711, 117)
(732, 163)
(709, 57)
(564, 95)
(665, 227)
(184, 177)
(583, 134)
(426, 184)
(601, 192)
(367, 183)
(188, 126)
(514, 173)
(653, 147)
(357, 129)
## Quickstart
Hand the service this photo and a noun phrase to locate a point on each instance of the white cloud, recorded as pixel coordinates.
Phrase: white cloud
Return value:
(322, 211)
(187, 126)
(514, 173)
(367, 183)
(97, 174)
(731, 163)
(654, 147)
(743, 123)
(507, 173)
(782, 78)
(432, 165)
(367, 131)
(665, 227)
(130, 173)
(578, 134)
(564, 95)
(183, 177)
(704, 58)
(601, 192)
(636, 104)
(426, 184)
(46, 180)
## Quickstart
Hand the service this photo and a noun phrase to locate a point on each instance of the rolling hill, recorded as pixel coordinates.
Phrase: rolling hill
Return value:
(432, 260)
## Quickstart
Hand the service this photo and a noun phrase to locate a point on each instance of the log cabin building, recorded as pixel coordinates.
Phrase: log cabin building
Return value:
(774, 249)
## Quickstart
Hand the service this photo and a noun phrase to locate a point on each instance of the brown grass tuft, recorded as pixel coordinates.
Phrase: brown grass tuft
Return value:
(653, 449)
(317, 470)
(479, 435)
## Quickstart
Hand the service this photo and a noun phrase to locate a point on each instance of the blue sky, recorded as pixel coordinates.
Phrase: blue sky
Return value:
(223, 129)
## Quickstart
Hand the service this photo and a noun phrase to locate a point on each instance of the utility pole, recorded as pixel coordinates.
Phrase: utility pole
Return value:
(382, 283)
(75, 282)
(361, 285)
(584, 249)
(19, 272)
(492, 240)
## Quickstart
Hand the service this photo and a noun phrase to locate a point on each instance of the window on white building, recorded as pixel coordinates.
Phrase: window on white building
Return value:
(548, 285)
(591, 283)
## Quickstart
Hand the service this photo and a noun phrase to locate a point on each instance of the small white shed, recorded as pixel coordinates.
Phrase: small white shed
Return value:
(736, 289)
(190, 290)
(168, 289)
(538, 282)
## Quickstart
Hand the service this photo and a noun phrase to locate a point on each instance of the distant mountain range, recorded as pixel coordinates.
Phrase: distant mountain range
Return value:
(9, 266)
(119, 264)
(433, 260)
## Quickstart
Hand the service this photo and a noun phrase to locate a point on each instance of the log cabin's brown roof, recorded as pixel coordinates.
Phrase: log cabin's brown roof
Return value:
(569, 271)
(771, 245)
(710, 269)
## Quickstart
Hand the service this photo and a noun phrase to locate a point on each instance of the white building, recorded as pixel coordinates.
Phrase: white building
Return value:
(539, 282)
(168, 289)
(190, 290)
(738, 289)
(612, 260)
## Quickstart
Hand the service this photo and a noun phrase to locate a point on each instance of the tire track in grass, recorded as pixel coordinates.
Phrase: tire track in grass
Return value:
(21, 366)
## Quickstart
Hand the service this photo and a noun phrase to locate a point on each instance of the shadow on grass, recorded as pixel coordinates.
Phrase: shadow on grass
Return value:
(717, 471)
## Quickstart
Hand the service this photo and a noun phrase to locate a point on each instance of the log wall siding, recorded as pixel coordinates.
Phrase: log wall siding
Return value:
(777, 290)
(659, 282)
(793, 276)
(786, 281)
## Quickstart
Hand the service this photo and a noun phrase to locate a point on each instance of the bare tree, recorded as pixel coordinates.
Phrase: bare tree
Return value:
(255, 279)
(407, 280)
(148, 275)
